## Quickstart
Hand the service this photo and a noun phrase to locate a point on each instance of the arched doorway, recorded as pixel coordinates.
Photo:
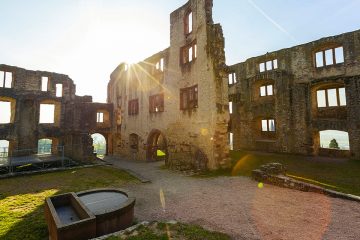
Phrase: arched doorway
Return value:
(45, 146)
(99, 144)
(156, 146)
(4, 148)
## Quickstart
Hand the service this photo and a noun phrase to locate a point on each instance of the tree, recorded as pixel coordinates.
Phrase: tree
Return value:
(334, 144)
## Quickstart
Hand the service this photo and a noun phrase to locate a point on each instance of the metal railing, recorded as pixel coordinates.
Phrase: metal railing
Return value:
(45, 156)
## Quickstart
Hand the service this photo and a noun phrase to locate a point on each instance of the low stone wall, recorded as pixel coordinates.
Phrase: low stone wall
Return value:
(275, 174)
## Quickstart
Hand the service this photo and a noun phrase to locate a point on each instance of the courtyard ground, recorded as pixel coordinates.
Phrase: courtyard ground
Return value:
(22, 198)
(236, 206)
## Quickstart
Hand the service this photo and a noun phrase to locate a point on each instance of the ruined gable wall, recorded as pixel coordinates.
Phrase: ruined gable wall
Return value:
(204, 127)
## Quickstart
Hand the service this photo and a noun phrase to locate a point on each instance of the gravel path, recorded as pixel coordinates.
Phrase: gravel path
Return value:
(236, 206)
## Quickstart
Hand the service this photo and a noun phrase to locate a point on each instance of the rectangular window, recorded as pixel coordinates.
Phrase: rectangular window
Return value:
(268, 65)
(59, 90)
(99, 117)
(133, 107)
(189, 53)
(339, 55)
(329, 57)
(189, 98)
(156, 103)
(342, 96)
(264, 125)
(160, 65)
(263, 91)
(188, 23)
(230, 107)
(232, 78)
(44, 84)
(262, 67)
(6, 79)
(321, 98)
(268, 125)
(332, 97)
(231, 141)
(5, 110)
(319, 59)
(47, 113)
(266, 90)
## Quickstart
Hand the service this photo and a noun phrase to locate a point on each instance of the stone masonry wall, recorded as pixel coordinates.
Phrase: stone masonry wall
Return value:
(294, 104)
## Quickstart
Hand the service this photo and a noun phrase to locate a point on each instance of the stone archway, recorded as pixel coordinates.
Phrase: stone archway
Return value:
(156, 148)
(100, 144)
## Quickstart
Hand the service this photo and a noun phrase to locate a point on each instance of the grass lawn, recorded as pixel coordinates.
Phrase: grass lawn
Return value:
(178, 231)
(342, 176)
(22, 198)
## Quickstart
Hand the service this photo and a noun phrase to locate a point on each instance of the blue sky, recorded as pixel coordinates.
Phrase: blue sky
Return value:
(87, 39)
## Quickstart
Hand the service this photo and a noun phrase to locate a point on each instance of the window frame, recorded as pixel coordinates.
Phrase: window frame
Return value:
(133, 107)
(192, 97)
(188, 25)
(156, 103)
(232, 78)
(4, 79)
(266, 86)
(184, 54)
(325, 58)
(339, 102)
(268, 129)
(265, 64)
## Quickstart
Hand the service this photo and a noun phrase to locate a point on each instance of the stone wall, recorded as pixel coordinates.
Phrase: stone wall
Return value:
(294, 103)
(75, 117)
(195, 137)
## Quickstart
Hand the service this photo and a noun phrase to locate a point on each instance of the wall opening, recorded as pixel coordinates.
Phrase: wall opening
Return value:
(47, 113)
(44, 84)
(4, 148)
(5, 112)
(231, 141)
(156, 149)
(331, 97)
(45, 146)
(188, 23)
(59, 90)
(6, 79)
(329, 57)
(99, 144)
(333, 139)
(100, 117)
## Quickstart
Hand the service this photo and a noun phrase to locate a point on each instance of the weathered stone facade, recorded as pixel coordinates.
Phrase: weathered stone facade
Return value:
(74, 116)
(293, 103)
(174, 105)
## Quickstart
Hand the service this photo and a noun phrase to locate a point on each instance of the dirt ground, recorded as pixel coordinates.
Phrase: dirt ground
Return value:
(238, 207)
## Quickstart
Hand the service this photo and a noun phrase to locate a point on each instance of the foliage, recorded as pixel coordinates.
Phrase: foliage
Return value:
(334, 144)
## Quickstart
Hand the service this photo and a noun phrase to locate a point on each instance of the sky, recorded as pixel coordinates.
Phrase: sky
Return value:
(88, 39)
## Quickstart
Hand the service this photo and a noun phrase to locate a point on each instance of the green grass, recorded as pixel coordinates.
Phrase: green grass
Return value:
(342, 176)
(179, 231)
(22, 198)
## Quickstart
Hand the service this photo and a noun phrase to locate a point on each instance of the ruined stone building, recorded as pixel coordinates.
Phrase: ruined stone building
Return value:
(283, 101)
(39, 105)
(174, 104)
(185, 106)
(178, 101)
